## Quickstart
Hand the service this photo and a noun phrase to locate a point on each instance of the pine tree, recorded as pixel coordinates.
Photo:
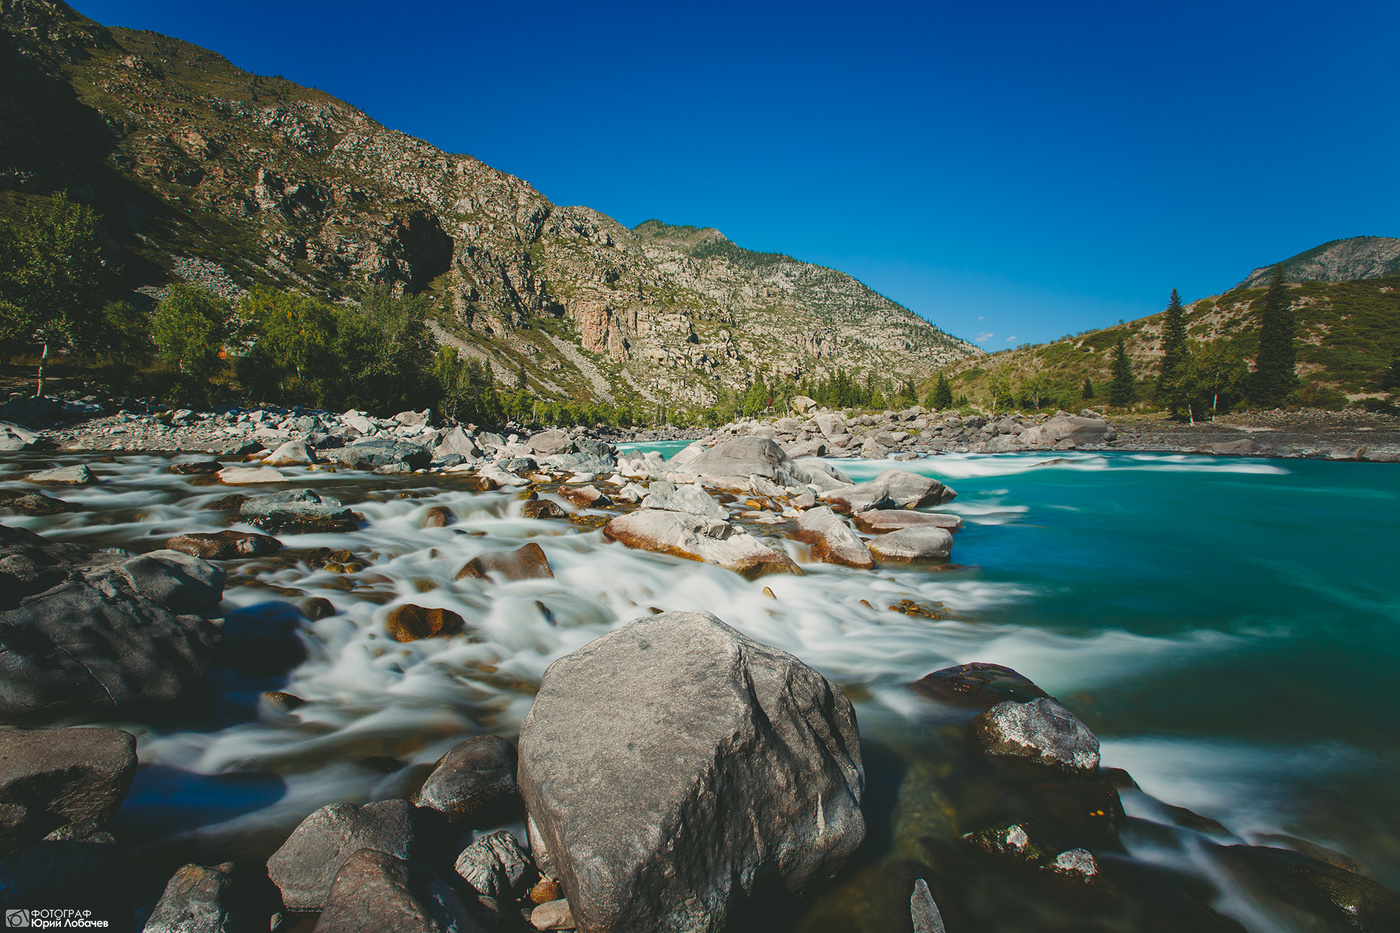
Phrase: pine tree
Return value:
(1274, 374)
(1390, 376)
(1088, 391)
(942, 393)
(1120, 391)
(1170, 380)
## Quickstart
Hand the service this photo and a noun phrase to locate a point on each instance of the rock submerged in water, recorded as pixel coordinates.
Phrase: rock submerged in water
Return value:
(224, 545)
(527, 562)
(672, 765)
(300, 511)
(832, 540)
(410, 622)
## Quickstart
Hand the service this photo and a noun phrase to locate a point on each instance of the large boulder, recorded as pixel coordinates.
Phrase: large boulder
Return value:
(696, 537)
(832, 540)
(96, 634)
(224, 545)
(14, 437)
(305, 867)
(375, 452)
(473, 784)
(671, 766)
(527, 562)
(1066, 430)
(206, 900)
(731, 464)
(692, 498)
(378, 891)
(52, 777)
(456, 441)
(892, 489)
(881, 521)
(549, 443)
(299, 510)
(921, 542)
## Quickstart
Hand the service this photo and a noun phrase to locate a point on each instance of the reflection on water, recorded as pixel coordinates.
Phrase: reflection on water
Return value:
(1182, 606)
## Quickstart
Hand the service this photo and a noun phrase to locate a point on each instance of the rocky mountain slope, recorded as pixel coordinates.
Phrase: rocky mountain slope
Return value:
(209, 174)
(1359, 257)
(1347, 331)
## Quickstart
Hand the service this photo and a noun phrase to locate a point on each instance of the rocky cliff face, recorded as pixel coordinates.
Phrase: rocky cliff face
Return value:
(1360, 257)
(210, 174)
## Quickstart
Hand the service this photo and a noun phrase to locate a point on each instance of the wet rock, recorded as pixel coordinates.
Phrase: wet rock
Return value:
(892, 489)
(524, 563)
(474, 783)
(495, 866)
(553, 915)
(204, 900)
(377, 891)
(77, 865)
(545, 891)
(317, 607)
(696, 537)
(1341, 899)
(731, 464)
(977, 686)
(14, 437)
(250, 476)
(195, 467)
(1011, 842)
(439, 516)
(32, 503)
(410, 623)
(1039, 732)
(1078, 865)
(542, 508)
(59, 776)
(92, 634)
(881, 521)
(921, 542)
(692, 498)
(588, 497)
(292, 453)
(832, 540)
(924, 911)
(672, 765)
(224, 545)
(299, 511)
(550, 443)
(305, 867)
(78, 475)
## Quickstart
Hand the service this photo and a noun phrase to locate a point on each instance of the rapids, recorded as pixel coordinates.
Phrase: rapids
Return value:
(1227, 627)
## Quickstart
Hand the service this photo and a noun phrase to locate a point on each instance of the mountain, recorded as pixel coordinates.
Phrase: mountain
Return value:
(209, 174)
(1348, 330)
(1359, 257)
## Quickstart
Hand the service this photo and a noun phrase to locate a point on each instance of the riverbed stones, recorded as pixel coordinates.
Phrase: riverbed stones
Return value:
(832, 540)
(15, 437)
(1039, 733)
(527, 562)
(495, 866)
(203, 899)
(553, 915)
(542, 508)
(94, 634)
(730, 464)
(474, 783)
(32, 503)
(881, 521)
(672, 765)
(923, 911)
(919, 543)
(250, 476)
(409, 622)
(688, 497)
(292, 453)
(224, 545)
(299, 511)
(892, 489)
(52, 777)
(305, 867)
(696, 537)
(977, 685)
(78, 475)
(376, 891)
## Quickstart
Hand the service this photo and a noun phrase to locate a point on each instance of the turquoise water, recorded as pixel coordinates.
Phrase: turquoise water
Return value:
(1229, 628)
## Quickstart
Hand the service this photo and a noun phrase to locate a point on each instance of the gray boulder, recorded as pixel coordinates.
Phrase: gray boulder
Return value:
(292, 453)
(299, 510)
(474, 783)
(371, 452)
(729, 465)
(550, 443)
(202, 900)
(92, 634)
(832, 540)
(692, 498)
(1040, 733)
(52, 777)
(495, 866)
(1065, 430)
(881, 521)
(671, 766)
(78, 475)
(456, 441)
(376, 891)
(14, 437)
(823, 475)
(924, 911)
(696, 537)
(892, 489)
(921, 542)
(305, 867)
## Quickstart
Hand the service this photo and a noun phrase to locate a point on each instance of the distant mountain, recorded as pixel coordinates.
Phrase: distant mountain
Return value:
(206, 173)
(1346, 301)
(1360, 257)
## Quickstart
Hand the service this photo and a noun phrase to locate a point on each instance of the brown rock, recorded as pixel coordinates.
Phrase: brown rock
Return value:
(547, 890)
(587, 497)
(831, 540)
(409, 622)
(224, 545)
(696, 537)
(542, 508)
(439, 516)
(552, 915)
(524, 563)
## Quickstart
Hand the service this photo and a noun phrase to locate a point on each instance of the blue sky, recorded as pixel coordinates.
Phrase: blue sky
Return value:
(1011, 171)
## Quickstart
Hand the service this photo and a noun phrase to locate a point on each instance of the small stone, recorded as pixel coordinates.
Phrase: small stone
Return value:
(524, 563)
(1076, 864)
(495, 865)
(1040, 732)
(542, 508)
(545, 891)
(474, 783)
(224, 545)
(588, 497)
(552, 915)
(78, 475)
(317, 607)
(410, 623)
(439, 516)
(924, 911)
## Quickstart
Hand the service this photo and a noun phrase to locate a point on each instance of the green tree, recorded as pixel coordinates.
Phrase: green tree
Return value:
(999, 388)
(1274, 366)
(1037, 389)
(942, 393)
(1390, 376)
(291, 339)
(1213, 378)
(1121, 390)
(54, 281)
(1087, 392)
(908, 395)
(189, 329)
(1171, 391)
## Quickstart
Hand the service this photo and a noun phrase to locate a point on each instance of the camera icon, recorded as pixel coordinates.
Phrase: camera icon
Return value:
(16, 919)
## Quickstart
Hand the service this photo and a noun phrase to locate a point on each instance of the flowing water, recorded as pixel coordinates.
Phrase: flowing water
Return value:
(1229, 628)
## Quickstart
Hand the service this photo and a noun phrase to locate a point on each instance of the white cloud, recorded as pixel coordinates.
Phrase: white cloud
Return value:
(985, 336)
(1011, 338)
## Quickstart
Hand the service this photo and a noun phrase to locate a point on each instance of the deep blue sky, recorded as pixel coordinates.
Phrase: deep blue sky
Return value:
(1011, 171)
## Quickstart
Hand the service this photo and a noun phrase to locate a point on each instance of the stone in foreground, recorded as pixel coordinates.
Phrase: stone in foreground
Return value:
(52, 777)
(832, 540)
(921, 542)
(923, 911)
(474, 783)
(306, 866)
(375, 892)
(1040, 732)
(696, 537)
(672, 765)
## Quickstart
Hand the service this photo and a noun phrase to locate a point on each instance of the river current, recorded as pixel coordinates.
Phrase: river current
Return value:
(1229, 628)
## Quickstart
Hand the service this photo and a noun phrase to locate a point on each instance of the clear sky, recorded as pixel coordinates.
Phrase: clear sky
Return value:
(1013, 171)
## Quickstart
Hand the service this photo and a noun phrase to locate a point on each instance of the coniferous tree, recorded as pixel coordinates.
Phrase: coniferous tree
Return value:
(1274, 374)
(1390, 376)
(1088, 391)
(942, 393)
(1170, 380)
(1120, 391)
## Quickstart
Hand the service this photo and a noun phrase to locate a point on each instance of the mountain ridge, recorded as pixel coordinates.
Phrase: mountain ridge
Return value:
(209, 173)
